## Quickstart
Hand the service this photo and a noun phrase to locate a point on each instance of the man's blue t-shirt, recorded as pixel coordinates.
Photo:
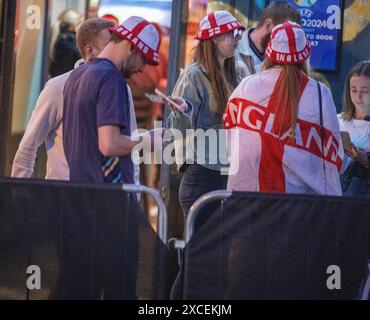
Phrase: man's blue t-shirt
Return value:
(95, 95)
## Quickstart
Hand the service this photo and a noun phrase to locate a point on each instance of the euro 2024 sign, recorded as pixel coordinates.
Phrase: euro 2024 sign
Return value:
(322, 23)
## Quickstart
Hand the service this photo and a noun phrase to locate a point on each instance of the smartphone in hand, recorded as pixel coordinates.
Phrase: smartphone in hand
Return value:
(162, 98)
(349, 148)
(346, 139)
(172, 104)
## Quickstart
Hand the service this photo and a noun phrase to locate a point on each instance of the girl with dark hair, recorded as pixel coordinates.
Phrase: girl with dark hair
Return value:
(355, 119)
(206, 85)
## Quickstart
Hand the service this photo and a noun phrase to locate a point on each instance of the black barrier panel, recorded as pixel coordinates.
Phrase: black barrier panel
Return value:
(89, 242)
(263, 246)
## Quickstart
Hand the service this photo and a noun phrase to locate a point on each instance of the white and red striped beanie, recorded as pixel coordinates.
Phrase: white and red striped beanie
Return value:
(288, 44)
(217, 23)
(141, 34)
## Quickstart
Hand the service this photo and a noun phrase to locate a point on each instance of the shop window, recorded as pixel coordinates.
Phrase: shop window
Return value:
(28, 51)
(31, 48)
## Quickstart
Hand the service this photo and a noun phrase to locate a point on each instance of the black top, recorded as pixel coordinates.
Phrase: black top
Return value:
(65, 53)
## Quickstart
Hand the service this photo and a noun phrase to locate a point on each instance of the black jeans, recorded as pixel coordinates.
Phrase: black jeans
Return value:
(197, 181)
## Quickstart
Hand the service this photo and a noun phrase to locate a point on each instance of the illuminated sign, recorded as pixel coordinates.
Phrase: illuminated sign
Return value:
(322, 23)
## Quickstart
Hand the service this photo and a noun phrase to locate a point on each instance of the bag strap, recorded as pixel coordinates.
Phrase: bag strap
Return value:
(322, 134)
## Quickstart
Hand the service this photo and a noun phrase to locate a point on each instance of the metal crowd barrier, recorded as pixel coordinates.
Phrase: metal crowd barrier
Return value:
(198, 206)
(223, 195)
(161, 228)
(365, 294)
(192, 215)
(159, 283)
(162, 211)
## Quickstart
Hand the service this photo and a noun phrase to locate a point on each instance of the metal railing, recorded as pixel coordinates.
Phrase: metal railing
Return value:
(198, 206)
(162, 211)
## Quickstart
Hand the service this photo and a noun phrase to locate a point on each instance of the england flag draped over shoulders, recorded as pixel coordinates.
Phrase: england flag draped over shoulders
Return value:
(265, 158)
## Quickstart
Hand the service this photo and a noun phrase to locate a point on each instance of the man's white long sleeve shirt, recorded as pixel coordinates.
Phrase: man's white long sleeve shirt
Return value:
(45, 125)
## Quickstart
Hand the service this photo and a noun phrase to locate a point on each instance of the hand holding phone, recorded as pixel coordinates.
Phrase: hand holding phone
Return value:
(177, 104)
(346, 140)
(349, 148)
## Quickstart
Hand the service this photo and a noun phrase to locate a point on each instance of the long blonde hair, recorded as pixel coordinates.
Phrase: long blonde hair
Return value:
(68, 18)
(223, 81)
(292, 77)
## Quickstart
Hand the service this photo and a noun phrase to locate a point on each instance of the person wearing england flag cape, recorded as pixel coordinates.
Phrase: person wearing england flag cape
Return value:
(282, 130)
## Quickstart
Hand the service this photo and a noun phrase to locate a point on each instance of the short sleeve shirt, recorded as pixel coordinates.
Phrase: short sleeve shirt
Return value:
(95, 95)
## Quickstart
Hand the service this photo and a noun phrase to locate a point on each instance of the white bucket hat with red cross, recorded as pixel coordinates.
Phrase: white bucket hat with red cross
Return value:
(288, 44)
(217, 23)
(141, 34)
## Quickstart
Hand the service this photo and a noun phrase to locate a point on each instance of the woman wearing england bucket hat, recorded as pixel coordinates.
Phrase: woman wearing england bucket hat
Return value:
(281, 137)
(206, 85)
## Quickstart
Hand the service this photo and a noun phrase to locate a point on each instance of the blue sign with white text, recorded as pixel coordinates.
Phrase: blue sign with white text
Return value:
(322, 23)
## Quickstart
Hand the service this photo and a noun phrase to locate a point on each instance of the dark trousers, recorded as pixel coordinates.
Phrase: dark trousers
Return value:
(197, 181)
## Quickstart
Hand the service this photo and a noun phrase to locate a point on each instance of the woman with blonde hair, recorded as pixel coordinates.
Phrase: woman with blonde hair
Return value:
(355, 119)
(283, 134)
(206, 85)
(64, 52)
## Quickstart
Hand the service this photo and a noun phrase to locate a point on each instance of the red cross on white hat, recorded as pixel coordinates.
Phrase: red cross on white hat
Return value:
(141, 34)
(217, 23)
(288, 44)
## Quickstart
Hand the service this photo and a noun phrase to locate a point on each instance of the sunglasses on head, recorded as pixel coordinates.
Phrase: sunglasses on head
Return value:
(237, 33)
